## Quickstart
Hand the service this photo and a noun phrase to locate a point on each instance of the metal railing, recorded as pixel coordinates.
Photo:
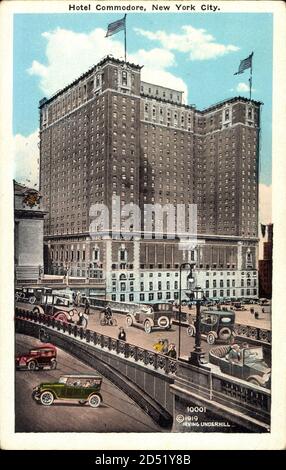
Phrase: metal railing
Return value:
(146, 357)
(246, 397)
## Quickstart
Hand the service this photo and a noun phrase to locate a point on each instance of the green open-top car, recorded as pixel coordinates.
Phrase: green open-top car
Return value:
(81, 388)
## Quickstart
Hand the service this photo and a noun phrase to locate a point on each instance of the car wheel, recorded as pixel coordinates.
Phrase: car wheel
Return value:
(47, 398)
(94, 400)
(113, 322)
(53, 364)
(147, 326)
(82, 402)
(191, 330)
(211, 338)
(32, 299)
(129, 320)
(32, 365)
(224, 334)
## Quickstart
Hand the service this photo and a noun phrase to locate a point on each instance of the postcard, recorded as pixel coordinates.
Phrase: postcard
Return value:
(142, 182)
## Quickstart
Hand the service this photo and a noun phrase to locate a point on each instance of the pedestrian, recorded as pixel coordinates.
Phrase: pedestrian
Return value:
(252, 310)
(159, 346)
(122, 334)
(78, 298)
(86, 306)
(256, 315)
(165, 347)
(74, 298)
(172, 351)
(82, 321)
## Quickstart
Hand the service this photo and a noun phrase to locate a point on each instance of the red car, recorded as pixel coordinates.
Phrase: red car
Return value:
(38, 358)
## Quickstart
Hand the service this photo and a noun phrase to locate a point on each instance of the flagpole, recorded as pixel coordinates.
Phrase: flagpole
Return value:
(125, 38)
(250, 79)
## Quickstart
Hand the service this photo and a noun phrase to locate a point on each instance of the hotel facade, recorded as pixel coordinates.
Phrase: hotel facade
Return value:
(110, 134)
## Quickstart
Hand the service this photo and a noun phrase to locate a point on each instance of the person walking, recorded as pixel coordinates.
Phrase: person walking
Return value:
(172, 351)
(86, 306)
(122, 334)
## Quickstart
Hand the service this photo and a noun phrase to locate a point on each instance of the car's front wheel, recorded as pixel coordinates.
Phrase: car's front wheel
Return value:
(53, 364)
(191, 330)
(211, 338)
(32, 365)
(129, 320)
(47, 398)
(94, 400)
(147, 326)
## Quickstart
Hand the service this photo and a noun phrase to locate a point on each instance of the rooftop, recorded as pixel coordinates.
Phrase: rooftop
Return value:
(108, 58)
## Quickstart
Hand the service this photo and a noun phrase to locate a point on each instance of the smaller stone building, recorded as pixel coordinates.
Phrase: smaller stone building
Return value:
(28, 234)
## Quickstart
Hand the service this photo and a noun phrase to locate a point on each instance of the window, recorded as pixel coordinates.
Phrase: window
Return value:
(113, 297)
(142, 286)
(122, 255)
(131, 297)
(214, 283)
(214, 293)
(124, 78)
(159, 295)
(151, 296)
(122, 297)
(220, 283)
(168, 295)
(207, 284)
(142, 297)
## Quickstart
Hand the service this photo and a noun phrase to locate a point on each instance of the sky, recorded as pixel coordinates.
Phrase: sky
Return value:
(195, 53)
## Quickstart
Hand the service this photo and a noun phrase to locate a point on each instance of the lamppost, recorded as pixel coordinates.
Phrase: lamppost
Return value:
(190, 279)
(197, 354)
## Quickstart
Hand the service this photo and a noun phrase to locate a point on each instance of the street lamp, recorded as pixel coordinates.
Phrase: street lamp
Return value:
(190, 279)
(197, 354)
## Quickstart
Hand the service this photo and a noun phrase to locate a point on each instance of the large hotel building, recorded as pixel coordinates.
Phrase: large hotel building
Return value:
(110, 134)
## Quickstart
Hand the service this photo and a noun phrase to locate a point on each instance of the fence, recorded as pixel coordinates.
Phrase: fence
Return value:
(248, 398)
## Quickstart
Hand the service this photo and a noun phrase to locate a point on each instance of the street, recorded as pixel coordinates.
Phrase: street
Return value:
(117, 413)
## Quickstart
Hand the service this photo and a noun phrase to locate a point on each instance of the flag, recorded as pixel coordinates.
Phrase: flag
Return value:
(245, 64)
(115, 27)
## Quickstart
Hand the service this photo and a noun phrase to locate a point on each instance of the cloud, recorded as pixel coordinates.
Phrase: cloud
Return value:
(156, 61)
(265, 204)
(243, 87)
(195, 41)
(69, 54)
(26, 159)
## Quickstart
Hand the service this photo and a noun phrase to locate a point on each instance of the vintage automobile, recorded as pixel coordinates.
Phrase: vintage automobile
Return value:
(30, 294)
(60, 308)
(80, 388)
(215, 325)
(41, 357)
(155, 316)
(250, 366)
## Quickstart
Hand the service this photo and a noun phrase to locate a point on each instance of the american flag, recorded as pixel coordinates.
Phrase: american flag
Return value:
(115, 27)
(245, 64)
